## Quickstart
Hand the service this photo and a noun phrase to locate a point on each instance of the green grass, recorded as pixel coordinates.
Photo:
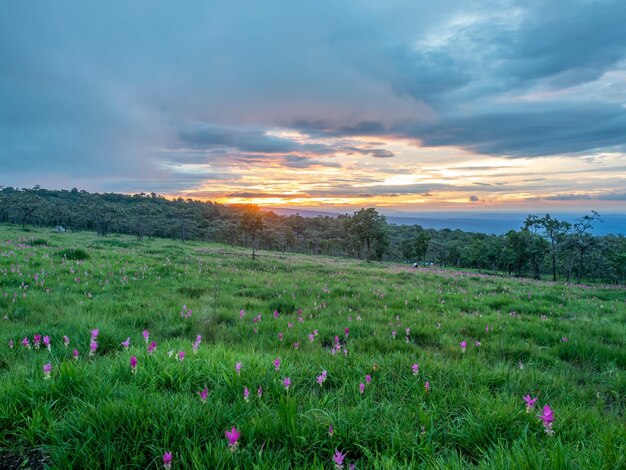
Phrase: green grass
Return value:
(95, 413)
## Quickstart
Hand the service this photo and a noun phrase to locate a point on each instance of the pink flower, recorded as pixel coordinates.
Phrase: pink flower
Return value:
(94, 333)
(361, 388)
(277, 364)
(548, 418)
(280, 336)
(486, 328)
(393, 334)
(167, 460)
(276, 314)
(530, 403)
(181, 356)
(93, 346)
(242, 312)
(11, 344)
(427, 386)
(126, 344)
(246, 394)
(346, 331)
(330, 430)
(76, 354)
(196, 345)
(66, 341)
(286, 383)
(204, 394)
(416, 368)
(368, 379)
(296, 345)
(408, 331)
(37, 341)
(146, 336)
(338, 459)
(133, 364)
(152, 347)
(463, 346)
(311, 337)
(238, 368)
(46, 342)
(47, 369)
(321, 378)
(289, 325)
(564, 339)
(477, 343)
(259, 391)
(233, 438)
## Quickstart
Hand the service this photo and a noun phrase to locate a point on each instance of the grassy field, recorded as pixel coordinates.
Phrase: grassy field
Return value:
(564, 345)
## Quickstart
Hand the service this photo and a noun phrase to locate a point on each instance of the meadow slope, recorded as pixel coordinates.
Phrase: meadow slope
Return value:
(563, 344)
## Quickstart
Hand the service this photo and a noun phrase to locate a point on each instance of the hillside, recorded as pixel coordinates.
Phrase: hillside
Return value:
(223, 323)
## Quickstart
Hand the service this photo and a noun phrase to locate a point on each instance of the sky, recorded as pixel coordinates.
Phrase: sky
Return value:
(408, 106)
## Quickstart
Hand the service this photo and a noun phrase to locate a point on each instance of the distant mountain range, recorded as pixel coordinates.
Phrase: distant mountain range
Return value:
(496, 223)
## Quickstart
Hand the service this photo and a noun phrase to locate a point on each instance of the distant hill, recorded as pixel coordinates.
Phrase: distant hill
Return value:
(495, 223)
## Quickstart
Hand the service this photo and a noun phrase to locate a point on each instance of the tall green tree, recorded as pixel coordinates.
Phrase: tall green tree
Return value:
(369, 228)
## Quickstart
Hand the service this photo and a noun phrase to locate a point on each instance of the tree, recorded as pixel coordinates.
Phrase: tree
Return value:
(369, 228)
(554, 230)
(251, 223)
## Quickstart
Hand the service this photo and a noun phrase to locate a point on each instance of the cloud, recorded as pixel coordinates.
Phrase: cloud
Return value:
(474, 198)
(89, 97)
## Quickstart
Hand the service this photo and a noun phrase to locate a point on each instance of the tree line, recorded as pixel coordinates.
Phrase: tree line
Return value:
(543, 246)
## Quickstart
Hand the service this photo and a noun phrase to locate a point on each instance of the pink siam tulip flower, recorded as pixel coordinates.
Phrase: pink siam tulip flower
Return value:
(276, 314)
(277, 364)
(11, 344)
(477, 343)
(463, 346)
(289, 325)
(146, 336)
(331, 431)
(287, 383)
(152, 347)
(94, 333)
(322, 378)
(315, 332)
(181, 356)
(167, 460)
(47, 369)
(125, 344)
(133, 364)
(259, 391)
(416, 368)
(242, 312)
(311, 337)
(196, 345)
(296, 345)
(393, 334)
(280, 336)
(530, 403)
(338, 459)
(346, 331)
(548, 418)
(301, 320)
(37, 341)
(564, 339)
(46, 342)
(93, 346)
(361, 388)
(66, 341)
(486, 328)
(204, 394)
(368, 379)
(246, 394)
(238, 368)
(233, 439)
(76, 354)
(26, 343)
(427, 386)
